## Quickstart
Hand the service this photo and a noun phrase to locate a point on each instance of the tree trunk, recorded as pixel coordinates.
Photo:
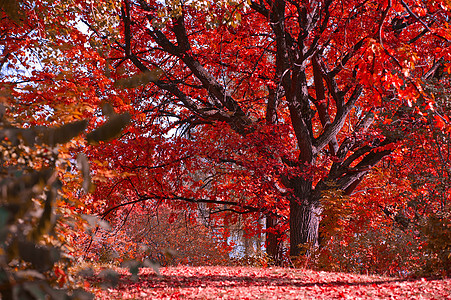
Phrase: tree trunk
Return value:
(305, 215)
(273, 241)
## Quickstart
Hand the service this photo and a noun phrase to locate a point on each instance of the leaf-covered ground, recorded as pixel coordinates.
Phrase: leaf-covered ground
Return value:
(270, 283)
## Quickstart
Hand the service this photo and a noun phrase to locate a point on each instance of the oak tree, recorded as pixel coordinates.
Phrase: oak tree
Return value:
(274, 103)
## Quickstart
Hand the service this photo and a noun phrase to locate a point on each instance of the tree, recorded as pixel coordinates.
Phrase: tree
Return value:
(280, 101)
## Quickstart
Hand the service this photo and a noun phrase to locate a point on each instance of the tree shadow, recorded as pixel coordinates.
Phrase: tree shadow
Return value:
(230, 281)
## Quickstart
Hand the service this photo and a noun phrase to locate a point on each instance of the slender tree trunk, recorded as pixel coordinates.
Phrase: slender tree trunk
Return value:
(305, 211)
(273, 241)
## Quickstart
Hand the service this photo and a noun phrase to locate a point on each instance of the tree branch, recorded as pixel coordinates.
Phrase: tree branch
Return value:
(426, 27)
(331, 131)
(142, 198)
(347, 57)
(361, 169)
(320, 102)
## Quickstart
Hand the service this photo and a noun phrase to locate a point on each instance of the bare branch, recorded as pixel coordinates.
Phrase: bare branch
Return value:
(320, 27)
(347, 57)
(143, 198)
(433, 69)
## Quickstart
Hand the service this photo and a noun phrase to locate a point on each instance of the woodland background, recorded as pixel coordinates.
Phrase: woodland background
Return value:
(309, 134)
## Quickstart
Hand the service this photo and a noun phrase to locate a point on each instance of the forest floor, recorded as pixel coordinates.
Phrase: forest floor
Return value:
(184, 282)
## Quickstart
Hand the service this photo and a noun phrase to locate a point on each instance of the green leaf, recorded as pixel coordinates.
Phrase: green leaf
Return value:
(110, 130)
(20, 190)
(88, 272)
(41, 257)
(46, 221)
(133, 267)
(83, 166)
(95, 221)
(139, 79)
(154, 265)
(35, 290)
(110, 278)
(62, 134)
(80, 294)
(4, 216)
(44, 135)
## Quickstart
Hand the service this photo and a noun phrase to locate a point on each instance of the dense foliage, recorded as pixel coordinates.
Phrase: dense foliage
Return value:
(322, 126)
(279, 110)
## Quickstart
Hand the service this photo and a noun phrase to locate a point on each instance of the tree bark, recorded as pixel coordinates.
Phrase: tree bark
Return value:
(304, 225)
(305, 215)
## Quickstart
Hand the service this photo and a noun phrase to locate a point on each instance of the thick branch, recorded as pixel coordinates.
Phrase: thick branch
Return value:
(332, 86)
(331, 131)
(271, 106)
(127, 36)
(235, 115)
(361, 169)
(180, 33)
(321, 103)
(260, 8)
(350, 142)
(277, 21)
(213, 86)
(205, 112)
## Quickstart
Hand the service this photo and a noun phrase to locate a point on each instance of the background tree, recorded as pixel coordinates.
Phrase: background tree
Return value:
(163, 236)
(40, 119)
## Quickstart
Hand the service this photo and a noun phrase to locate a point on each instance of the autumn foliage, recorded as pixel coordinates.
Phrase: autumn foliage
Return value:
(315, 133)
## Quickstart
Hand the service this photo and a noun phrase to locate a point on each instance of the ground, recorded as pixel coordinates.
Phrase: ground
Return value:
(183, 282)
